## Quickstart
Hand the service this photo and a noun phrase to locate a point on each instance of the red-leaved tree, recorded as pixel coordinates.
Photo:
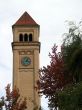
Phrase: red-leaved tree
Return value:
(52, 78)
(12, 101)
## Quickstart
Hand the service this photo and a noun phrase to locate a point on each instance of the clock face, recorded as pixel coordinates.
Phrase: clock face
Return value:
(26, 61)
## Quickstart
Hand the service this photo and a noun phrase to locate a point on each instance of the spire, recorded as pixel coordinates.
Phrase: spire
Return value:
(25, 20)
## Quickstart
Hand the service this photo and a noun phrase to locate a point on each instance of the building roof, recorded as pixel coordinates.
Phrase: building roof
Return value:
(25, 20)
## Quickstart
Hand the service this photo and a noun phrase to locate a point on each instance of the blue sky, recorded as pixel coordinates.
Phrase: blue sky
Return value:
(49, 14)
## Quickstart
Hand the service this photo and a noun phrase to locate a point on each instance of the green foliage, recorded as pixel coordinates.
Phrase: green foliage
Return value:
(71, 97)
(72, 53)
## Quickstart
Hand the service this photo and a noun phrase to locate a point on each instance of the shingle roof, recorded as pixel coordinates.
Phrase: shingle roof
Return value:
(25, 20)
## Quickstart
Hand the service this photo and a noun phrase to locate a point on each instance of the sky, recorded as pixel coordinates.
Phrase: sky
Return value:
(49, 14)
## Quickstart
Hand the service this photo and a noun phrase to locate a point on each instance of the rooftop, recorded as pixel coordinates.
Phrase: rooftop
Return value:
(25, 20)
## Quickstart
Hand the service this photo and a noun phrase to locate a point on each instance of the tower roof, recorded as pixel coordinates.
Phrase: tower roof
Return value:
(25, 20)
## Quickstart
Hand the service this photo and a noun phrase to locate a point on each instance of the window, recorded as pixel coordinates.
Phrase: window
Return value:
(21, 37)
(30, 37)
(25, 37)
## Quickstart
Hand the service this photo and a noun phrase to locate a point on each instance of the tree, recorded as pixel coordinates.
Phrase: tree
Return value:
(65, 68)
(12, 101)
(72, 52)
(52, 78)
(71, 97)
(72, 56)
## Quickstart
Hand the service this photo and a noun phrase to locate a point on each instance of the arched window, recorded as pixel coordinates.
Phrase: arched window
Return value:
(21, 37)
(30, 37)
(25, 37)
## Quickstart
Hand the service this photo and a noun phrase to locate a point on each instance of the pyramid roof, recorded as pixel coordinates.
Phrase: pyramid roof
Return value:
(25, 20)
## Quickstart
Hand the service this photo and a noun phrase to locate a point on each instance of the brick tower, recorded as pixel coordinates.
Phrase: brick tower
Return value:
(26, 49)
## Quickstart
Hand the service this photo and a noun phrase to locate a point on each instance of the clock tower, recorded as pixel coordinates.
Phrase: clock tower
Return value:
(26, 49)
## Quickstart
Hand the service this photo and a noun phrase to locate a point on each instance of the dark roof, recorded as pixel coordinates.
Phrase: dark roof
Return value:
(25, 20)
